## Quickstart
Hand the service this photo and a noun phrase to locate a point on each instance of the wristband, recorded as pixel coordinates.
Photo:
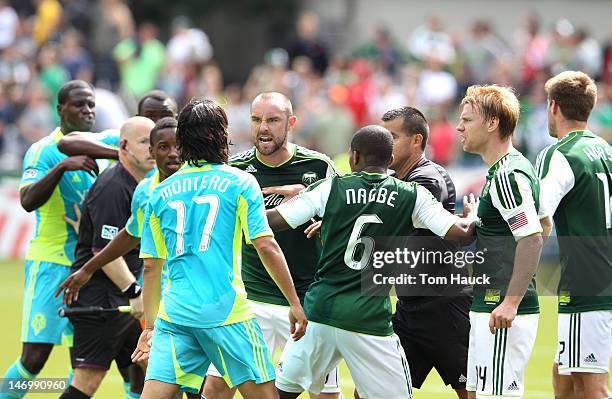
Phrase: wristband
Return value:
(133, 291)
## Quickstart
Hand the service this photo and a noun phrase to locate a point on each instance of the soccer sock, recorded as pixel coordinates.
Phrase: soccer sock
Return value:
(73, 393)
(14, 378)
(70, 375)
(132, 395)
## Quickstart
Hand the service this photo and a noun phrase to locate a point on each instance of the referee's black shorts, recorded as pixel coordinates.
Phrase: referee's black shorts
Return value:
(100, 339)
(435, 333)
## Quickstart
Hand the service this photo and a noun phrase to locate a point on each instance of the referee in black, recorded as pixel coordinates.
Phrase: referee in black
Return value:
(433, 324)
(100, 339)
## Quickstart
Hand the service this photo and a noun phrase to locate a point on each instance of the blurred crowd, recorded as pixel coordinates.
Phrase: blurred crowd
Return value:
(333, 93)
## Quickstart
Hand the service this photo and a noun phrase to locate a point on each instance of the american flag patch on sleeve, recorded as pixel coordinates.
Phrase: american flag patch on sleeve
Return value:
(517, 221)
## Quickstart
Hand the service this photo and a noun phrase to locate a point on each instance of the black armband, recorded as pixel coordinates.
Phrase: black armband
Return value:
(133, 291)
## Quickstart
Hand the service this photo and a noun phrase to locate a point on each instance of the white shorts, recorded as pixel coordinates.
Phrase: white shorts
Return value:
(274, 323)
(377, 364)
(497, 362)
(585, 342)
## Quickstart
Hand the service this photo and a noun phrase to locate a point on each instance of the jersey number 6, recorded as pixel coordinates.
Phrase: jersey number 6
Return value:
(367, 242)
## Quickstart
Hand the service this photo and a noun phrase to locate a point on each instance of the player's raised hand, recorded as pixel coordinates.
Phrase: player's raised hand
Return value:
(74, 223)
(288, 191)
(470, 206)
(141, 353)
(80, 162)
(297, 322)
(502, 316)
(72, 285)
(313, 229)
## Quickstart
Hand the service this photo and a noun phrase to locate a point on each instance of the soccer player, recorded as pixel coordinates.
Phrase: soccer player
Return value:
(344, 322)
(53, 185)
(576, 179)
(504, 314)
(98, 340)
(163, 150)
(274, 162)
(433, 330)
(195, 221)
(154, 105)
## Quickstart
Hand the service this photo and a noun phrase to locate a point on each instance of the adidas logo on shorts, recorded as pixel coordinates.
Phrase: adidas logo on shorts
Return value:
(590, 359)
(250, 169)
(462, 378)
(513, 387)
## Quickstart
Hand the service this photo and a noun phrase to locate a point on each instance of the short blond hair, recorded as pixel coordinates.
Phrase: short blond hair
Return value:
(575, 92)
(493, 101)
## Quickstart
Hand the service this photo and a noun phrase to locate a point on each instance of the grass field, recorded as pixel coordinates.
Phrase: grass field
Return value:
(11, 288)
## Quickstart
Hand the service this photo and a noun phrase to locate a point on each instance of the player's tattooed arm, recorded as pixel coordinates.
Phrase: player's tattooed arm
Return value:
(80, 143)
(526, 259)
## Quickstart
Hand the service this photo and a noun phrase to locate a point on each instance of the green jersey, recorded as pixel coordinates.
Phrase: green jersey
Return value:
(302, 254)
(356, 209)
(576, 179)
(507, 212)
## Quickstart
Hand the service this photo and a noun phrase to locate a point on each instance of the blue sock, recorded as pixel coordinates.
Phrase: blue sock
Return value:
(128, 392)
(70, 375)
(15, 376)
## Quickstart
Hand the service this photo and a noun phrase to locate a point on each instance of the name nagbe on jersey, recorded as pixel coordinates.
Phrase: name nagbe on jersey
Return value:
(205, 182)
(363, 196)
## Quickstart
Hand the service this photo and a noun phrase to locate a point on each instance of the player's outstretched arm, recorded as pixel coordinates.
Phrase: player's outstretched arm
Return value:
(80, 143)
(276, 221)
(35, 195)
(119, 246)
(527, 257)
(151, 294)
(274, 261)
(547, 226)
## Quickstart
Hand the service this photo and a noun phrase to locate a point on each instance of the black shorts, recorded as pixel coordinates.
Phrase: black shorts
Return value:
(435, 333)
(98, 340)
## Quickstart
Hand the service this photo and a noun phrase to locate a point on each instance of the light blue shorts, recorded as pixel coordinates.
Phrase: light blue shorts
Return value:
(181, 355)
(40, 321)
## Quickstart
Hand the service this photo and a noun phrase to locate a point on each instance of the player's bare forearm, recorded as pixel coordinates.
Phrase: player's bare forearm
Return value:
(462, 231)
(36, 194)
(274, 261)
(119, 273)
(276, 221)
(547, 226)
(79, 143)
(151, 289)
(119, 246)
(526, 260)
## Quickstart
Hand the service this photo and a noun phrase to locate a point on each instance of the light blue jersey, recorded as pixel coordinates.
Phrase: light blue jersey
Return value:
(55, 240)
(195, 221)
(140, 201)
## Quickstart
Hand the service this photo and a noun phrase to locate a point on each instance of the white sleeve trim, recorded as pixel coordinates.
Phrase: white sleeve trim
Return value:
(522, 220)
(301, 208)
(555, 185)
(429, 213)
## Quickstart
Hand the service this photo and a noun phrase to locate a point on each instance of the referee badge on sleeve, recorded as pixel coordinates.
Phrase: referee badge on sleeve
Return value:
(109, 232)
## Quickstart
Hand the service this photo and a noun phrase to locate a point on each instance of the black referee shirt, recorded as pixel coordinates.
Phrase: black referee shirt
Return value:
(435, 179)
(105, 211)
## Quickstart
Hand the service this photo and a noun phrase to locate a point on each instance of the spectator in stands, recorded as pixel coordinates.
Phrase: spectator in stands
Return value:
(308, 43)
(431, 38)
(8, 24)
(140, 62)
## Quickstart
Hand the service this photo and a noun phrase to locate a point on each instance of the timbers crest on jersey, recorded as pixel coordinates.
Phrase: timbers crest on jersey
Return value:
(309, 177)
